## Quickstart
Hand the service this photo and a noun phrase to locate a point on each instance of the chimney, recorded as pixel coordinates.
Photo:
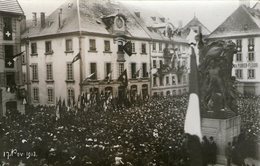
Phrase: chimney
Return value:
(180, 24)
(138, 14)
(34, 19)
(244, 2)
(42, 19)
(60, 18)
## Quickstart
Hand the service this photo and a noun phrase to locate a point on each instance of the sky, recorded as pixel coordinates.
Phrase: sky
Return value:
(210, 12)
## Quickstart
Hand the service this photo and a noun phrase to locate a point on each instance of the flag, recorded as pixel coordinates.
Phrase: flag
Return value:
(90, 77)
(108, 77)
(58, 107)
(17, 55)
(77, 57)
(24, 101)
(123, 78)
(192, 123)
(128, 48)
(137, 74)
(8, 31)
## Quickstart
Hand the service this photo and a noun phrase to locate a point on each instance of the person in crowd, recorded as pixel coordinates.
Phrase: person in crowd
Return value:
(228, 153)
(205, 150)
(212, 151)
(145, 133)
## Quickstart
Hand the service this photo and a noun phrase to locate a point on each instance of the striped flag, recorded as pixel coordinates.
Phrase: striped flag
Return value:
(77, 57)
(192, 123)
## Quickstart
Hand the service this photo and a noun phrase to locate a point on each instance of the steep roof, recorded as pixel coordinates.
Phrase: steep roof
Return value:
(11, 6)
(194, 23)
(91, 14)
(243, 21)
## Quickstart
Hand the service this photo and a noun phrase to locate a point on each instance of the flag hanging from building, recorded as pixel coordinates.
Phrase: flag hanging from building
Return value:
(123, 78)
(192, 123)
(77, 57)
(128, 48)
(137, 74)
(8, 30)
(17, 55)
(108, 77)
(90, 77)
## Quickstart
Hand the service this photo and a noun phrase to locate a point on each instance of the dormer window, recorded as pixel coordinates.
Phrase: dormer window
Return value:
(246, 27)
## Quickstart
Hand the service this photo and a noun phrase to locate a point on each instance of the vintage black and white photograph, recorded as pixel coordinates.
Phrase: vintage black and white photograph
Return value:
(129, 83)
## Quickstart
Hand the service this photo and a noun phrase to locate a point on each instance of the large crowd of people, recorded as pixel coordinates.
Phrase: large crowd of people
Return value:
(145, 133)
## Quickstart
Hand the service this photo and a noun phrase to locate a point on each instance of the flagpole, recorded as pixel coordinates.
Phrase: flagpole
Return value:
(28, 82)
(80, 50)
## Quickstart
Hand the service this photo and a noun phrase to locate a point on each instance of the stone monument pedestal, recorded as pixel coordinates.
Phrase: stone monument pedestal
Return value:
(223, 130)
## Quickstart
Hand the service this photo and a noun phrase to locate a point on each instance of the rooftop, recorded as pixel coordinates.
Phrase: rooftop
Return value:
(11, 6)
(243, 21)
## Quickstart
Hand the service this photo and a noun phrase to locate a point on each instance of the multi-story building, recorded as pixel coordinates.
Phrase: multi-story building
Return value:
(11, 94)
(169, 53)
(243, 28)
(98, 31)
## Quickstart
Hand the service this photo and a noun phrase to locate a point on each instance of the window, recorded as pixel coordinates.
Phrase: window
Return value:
(92, 44)
(239, 73)
(239, 57)
(69, 46)
(93, 69)
(71, 94)
(108, 69)
(23, 59)
(161, 80)
(48, 48)
(9, 51)
(167, 80)
(10, 79)
(121, 68)
(239, 45)
(50, 93)
(143, 48)
(133, 47)
(161, 63)
(154, 46)
(154, 63)
(70, 76)
(251, 73)
(174, 92)
(33, 49)
(251, 44)
(251, 56)
(36, 94)
(144, 68)
(133, 70)
(24, 78)
(7, 34)
(160, 47)
(107, 45)
(184, 79)
(49, 73)
(173, 80)
(34, 72)
(154, 81)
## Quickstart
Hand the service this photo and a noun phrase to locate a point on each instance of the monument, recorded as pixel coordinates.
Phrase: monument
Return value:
(218, 94)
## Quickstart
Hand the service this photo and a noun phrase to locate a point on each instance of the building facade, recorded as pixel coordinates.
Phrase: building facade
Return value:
(100, 35)
(11, 86)
(243, 28)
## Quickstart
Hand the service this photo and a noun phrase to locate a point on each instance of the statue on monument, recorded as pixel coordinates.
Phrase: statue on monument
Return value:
(217, 92)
